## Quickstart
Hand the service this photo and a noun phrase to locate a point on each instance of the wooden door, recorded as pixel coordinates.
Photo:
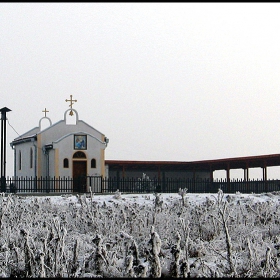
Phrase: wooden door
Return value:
(79, 176)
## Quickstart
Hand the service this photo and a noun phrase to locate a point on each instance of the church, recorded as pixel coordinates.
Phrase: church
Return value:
(77, 150)
(60, 150)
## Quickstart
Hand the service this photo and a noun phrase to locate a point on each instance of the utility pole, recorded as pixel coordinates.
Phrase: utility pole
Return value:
(3, 111)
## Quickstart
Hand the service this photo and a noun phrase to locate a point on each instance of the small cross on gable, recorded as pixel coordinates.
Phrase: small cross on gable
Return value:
(45, 111)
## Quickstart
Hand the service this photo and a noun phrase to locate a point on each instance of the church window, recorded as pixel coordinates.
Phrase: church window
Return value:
(31, 158)
(79, 155)
(93, 163)
(66, 163)
(19, 160)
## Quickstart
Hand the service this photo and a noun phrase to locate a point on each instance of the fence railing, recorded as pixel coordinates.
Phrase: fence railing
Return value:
(172, 185)
(98, 184)
(38, 184)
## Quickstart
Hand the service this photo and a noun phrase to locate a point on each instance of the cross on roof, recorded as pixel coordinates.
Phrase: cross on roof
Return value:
(45, 111)
(71, 103)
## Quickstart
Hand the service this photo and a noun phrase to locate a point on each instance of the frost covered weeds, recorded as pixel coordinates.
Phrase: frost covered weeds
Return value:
(140, 236)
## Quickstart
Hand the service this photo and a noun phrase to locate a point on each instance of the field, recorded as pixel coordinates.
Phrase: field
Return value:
(140, 235)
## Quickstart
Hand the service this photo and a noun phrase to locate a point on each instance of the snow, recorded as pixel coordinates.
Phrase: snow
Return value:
(148, 199)
(140, 235)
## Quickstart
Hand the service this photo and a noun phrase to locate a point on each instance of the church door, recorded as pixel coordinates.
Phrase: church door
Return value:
(79, 175)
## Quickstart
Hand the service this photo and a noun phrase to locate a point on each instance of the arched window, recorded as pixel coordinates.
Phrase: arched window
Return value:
(31, 157)
(19, 160)
(93, 163)
(79, 155)
(66, 163)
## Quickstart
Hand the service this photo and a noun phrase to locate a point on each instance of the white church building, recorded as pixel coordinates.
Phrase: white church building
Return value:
(62, 149)
(76, 150)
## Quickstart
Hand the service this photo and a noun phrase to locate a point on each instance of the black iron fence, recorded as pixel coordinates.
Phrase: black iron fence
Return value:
(98, 185)
(172, 185)
(38, 184)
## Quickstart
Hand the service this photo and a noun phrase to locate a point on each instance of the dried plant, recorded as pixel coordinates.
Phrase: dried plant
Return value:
(220, 236)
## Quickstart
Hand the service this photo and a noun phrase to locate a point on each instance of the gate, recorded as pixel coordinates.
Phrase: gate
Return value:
(80, 184)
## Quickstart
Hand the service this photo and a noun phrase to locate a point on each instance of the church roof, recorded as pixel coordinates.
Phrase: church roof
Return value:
(24, 139)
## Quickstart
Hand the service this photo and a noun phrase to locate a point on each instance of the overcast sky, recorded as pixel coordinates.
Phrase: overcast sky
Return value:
(162, 81)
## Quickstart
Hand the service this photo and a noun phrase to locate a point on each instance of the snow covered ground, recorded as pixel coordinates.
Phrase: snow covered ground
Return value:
(140, 235)
(148, 199)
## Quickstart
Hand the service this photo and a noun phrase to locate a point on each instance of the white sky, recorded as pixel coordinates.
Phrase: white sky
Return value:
(163, 81)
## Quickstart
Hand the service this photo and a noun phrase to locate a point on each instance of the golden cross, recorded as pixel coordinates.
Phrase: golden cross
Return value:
(71, 103)
(45, 111)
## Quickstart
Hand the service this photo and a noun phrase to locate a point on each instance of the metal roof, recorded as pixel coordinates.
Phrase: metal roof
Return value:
(24, 139)
(203, 165)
